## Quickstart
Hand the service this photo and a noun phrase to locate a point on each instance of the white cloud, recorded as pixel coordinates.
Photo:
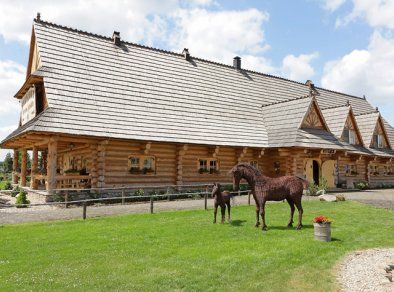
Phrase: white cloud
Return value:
(221, 35)
(299, 68)
(368, 72)
(139, 21)
(12, 76)
(377, 13)
(333, 5)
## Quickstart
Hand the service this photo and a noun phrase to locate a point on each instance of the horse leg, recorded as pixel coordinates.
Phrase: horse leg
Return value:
(262, 213)
(257, 211)
(223, 210)
(229, 211)
(215, 212)
(300, 211)
(292, 208)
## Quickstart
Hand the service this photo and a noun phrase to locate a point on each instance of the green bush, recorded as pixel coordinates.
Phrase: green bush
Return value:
(8, 185)
(361, 185)
(313, 189)
(139, 192)
(15, 191)
(21, 200)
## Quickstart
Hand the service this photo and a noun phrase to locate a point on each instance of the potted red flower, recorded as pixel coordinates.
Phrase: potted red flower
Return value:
(322, 228)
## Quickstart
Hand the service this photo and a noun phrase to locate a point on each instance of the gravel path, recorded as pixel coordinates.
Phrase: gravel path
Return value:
(379, 198)
(365, 271)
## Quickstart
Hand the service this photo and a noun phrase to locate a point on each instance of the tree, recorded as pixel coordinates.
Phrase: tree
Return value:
(7, 164)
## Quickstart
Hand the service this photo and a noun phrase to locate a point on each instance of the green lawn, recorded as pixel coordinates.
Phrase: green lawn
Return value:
(184, 251)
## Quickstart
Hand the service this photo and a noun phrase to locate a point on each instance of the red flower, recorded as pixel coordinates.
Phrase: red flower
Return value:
(321, 219)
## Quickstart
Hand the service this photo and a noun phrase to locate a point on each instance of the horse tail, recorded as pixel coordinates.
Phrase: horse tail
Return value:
(305, 183)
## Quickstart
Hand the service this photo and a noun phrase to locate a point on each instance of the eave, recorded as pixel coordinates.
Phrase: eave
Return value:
(32, 79)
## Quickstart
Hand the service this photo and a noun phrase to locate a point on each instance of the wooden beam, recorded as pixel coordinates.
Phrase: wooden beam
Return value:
(15, 167)
(179, 170)
(52, 164)
(23, 167)
(34, 167)
(242, 153)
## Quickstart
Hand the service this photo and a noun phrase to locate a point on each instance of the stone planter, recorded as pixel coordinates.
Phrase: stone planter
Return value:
(322, 231)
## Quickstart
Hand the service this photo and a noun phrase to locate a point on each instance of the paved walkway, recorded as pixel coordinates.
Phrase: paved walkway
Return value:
(379, 198)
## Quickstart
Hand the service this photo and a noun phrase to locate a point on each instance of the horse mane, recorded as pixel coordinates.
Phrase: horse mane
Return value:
(246, 169)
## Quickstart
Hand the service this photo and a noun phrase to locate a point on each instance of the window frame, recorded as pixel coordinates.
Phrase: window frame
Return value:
(208, 167)
(351, 169)
(141, 170)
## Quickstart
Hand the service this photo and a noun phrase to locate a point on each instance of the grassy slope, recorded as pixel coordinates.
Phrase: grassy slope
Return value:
(184, 250)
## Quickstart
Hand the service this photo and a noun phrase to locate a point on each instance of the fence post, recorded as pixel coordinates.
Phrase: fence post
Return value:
(249, 198)
(206, 198)
(84, 206)
(151, 204)
(123, 195)
(66, 199)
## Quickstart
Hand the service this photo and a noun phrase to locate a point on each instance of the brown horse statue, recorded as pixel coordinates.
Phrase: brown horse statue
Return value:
(265, 189)
(222, 200)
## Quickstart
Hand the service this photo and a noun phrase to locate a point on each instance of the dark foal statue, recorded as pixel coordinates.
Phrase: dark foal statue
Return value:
(265, 189)
(222, 200)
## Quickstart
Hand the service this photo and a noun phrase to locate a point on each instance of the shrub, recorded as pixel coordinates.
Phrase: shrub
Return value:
(21, 200)
(361, 185)
(8, 185)
(228, 188)
(15, 191)
(313, 189)
(139, 192)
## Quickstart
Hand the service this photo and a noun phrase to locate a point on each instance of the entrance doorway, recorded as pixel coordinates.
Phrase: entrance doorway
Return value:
(315, 169)
(312, 171)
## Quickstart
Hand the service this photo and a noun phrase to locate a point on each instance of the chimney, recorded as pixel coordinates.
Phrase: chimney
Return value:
(186, 54)
(348, 103)
(116, 38)
(38, 17)
(377, 109)
(237, 63)
(312, 89)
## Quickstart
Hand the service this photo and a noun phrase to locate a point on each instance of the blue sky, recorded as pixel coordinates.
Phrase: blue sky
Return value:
(344, 45)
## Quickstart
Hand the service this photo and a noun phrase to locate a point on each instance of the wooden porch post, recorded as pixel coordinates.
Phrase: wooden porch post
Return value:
(15, 167)
(179, 170)
(23, 167)
(101, 163)
(34, 167)
(52, 164)
(94, 166)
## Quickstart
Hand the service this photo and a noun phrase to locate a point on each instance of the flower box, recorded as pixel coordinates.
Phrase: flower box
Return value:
(322, 228)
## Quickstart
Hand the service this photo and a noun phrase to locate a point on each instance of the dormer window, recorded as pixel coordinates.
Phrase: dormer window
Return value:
(349, 136)
(377, 141)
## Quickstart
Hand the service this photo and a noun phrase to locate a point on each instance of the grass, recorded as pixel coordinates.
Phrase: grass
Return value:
(184, 251)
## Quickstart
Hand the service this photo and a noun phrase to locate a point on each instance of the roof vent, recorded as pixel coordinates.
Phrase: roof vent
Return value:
(186, 54)
(377, 109)
(38, 17)
(237, 63)
(348, 103)
(116, 38)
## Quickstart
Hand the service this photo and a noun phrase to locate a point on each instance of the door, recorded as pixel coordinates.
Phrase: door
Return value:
(328, 172)
(312, 171)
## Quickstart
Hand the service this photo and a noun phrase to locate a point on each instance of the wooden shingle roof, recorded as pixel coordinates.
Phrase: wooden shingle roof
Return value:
(96, 88)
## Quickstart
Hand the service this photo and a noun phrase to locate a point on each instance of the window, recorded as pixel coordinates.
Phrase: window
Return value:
(349, 136)
(208, 166)
(388, 170)
(139, 164)
(254, 163)
(377, 141)
(350, 169)
(373, 169)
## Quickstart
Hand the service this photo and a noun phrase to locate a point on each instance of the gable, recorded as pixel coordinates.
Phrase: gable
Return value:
(313, 119)
(351, 124)
(380, 130)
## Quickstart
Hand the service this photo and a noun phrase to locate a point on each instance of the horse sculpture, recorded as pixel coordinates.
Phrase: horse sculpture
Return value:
(265, 189)
(222, 200)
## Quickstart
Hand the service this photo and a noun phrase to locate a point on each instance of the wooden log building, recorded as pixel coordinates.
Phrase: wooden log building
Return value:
(104, 112)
